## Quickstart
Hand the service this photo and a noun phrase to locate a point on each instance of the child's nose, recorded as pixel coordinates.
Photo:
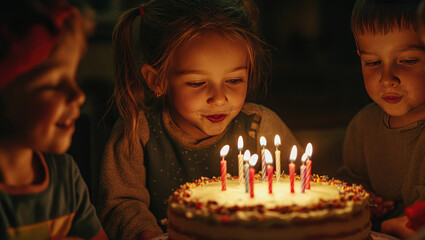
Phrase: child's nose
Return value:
(217, 96)
(389, 78)
(77, 95)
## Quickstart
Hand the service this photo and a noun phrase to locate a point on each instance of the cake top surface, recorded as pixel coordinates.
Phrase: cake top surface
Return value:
(326, 197)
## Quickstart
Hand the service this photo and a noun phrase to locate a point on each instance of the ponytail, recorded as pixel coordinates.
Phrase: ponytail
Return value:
(129, 94)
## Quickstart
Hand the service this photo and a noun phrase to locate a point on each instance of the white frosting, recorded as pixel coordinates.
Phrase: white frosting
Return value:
(235, 194)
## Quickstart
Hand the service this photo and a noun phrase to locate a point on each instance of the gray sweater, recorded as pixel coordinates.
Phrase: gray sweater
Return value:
(389, 162)
(134, 185)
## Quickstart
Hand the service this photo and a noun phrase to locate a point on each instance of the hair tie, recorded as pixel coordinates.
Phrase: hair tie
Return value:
(142, 10)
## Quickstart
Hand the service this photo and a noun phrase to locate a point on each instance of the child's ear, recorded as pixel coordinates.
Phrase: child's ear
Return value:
(150, 75)
(358, 52)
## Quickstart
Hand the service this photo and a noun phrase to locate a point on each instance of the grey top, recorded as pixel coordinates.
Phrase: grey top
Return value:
(390, 162)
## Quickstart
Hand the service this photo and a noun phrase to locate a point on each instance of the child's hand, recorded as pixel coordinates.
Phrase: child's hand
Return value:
(379, 206)
(397, 227)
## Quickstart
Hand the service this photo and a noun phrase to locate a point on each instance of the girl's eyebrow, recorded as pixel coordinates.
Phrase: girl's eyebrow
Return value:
(183, 72)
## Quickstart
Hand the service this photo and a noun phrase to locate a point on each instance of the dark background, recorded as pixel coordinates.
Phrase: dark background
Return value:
(316, 85)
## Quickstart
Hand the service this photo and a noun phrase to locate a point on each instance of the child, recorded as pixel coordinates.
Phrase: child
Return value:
(181, 101)
(384, 147)
(42, 194)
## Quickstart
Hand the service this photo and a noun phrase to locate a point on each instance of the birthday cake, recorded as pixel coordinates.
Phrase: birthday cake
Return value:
(330, 209)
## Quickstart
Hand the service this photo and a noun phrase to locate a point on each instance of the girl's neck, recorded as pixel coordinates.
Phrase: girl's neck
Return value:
(19, 167)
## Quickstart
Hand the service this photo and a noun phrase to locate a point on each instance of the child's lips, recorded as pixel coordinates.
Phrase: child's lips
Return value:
(391, 99)
(216, 117)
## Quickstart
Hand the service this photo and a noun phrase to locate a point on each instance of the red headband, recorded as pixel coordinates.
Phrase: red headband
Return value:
(29, 51)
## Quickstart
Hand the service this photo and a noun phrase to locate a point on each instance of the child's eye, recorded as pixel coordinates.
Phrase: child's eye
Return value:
(235, 81)
(195, 84)
(372, 63)
(410, 61)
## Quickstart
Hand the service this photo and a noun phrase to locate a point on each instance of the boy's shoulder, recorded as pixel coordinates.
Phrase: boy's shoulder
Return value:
(61, 165)
(370, 115)
(370, 112)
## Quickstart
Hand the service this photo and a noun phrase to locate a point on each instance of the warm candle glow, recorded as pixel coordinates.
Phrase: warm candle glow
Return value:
(309, 150)
(247, 155)
(263, 141)
(293, 155)
(303, 158)
(240, 143)
(253, 160)
(269, 158)
(277, 140)
(224, 151)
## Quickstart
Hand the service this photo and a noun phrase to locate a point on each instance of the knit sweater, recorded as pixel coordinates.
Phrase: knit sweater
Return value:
(135, 184)
(390, 162)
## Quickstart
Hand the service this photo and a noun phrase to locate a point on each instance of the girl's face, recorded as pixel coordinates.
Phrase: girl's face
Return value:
(208, 85)
(43, 105)
(393, 68)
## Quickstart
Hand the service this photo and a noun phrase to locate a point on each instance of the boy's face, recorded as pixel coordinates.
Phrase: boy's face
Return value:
(42, 105)
(393, 68)
(208, 86)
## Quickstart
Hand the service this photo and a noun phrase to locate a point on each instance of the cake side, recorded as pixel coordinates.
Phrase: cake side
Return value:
(330, 210)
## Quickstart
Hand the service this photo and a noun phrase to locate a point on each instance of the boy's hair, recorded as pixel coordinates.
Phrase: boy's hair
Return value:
(31, 31)
(383, 16)
(166, 26)
(421, 15)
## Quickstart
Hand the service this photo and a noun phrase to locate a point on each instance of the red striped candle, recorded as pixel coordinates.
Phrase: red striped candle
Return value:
(252, 162)
(309, 151)
(223, 164)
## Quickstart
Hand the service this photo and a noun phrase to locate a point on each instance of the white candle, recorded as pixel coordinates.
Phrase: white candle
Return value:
(240, 159)
(263, 143)
(277, 156)
(246, 157)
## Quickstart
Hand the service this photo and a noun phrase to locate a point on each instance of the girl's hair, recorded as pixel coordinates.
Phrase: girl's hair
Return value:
(383, 16)
(166, 26)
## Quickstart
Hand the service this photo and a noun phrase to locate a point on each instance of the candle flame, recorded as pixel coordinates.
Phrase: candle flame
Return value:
(247, 155)
(293, 155)
(240, 143)
(263, 141)
(269, 158)
(277, 140)
(304, 157)
(224, 151)
(309, 149)
(253, 160)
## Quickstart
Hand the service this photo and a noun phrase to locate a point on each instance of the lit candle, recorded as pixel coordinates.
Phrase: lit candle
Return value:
(263, 143)
(240, 159)
(223, 164)
(277, 157)
(309, 151)
(292, 158)
(303, 172)
(269, 163)
(246, 157)
(252, 162)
